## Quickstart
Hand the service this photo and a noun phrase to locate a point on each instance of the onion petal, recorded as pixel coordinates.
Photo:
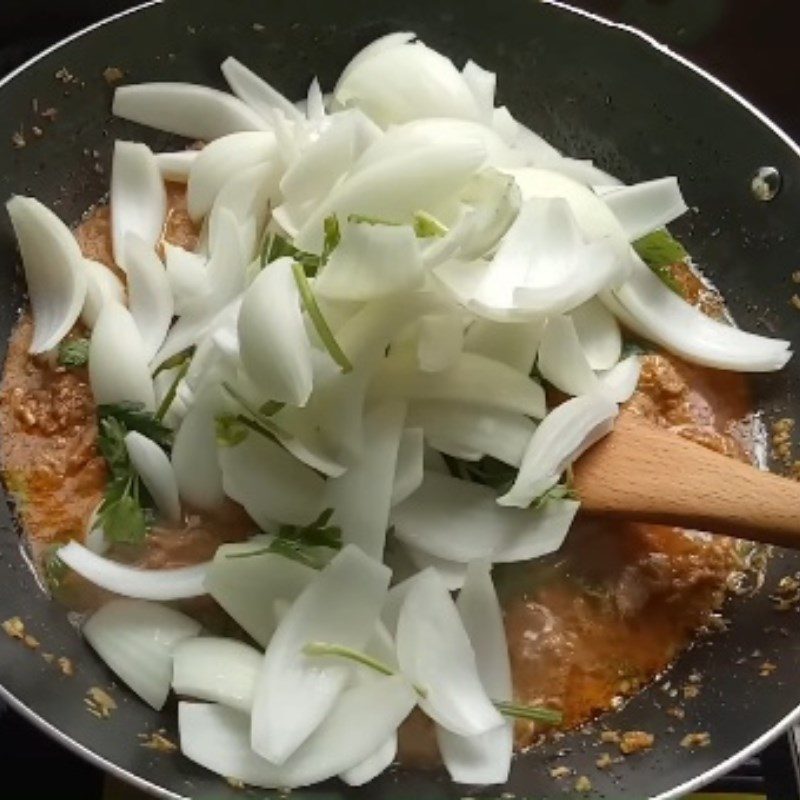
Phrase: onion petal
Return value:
(275, 349)
(54, 271)
(136, 639)
(296, 692)
(186, 109)
(472, 379)
(217, 670)
(153, 467)
(175, 166)
(257, 93)
(220, 160)
(247, 584)
(373, 765)
(144, 584)
(271, 484)
(102, 286)
(512, 343)
(562, 361)
(434, 652)
(503, 435)
(486, 758)
(118, 369)
(620, 382)
(460, 521)
(149, 293)
(409, 472)
(645, 207)
(563, 435)
(441, 339)
(371, 261)
(598, 333)
(138, 198)
(361, 497)
(651, 309)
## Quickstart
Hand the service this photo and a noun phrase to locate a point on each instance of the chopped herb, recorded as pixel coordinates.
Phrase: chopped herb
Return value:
(561, 491)
(340, 651)
(174, 361)
(54, 569)
(270, 408)
(659, 250)
(73, 353)
(276, 246)
(254, 418)
(299, 543)
(365, 219)
(333, 235)
(169, 397)
(322, 328)
(134, 417)
(427, 226)
(230, 431)
(535, 713)
(125, 512)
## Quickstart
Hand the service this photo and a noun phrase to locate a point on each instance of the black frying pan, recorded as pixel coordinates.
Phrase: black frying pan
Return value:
(594, 91)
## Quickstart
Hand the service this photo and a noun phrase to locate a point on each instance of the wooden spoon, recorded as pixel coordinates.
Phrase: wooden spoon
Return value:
(646, 473)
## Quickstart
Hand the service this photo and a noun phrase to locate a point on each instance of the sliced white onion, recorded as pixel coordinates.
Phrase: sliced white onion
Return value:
(452, 573)
(271, 484)
(441, 339)
(434, 652)
(118, 369)
(460, 521)
(371, 261)
(138, 198)
(376, 46)
(421, 178)
(512, 343)
(595, 220)
(645, 207)
(409, 472)
(275, 350)
(143, 584)
(247, 195)
(194, 459)
(136, 639)
(248, 586)
(54, 271)
(406, 82)
(504, 435)
(620, 382)
(324, 161)
(217, 737)
(256, 92)
(473, 379)
(296, 692)
(315, 103)
(361, 497)
(153, 467)
(598, 333)
(149, 293)
(217, 670)
(175, 166)
(373, 765)
(486, 758)
(102, 286)
(564, 434)
(187, 276)
(222, 159)
(482, 84)
(186, 109)
(654, 311)
(306, 442)
(562, 361)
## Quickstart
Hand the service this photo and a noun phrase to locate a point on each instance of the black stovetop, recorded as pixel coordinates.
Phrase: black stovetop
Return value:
(749, 44)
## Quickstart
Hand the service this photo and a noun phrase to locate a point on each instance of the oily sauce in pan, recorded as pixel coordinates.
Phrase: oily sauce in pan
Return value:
(586, 626)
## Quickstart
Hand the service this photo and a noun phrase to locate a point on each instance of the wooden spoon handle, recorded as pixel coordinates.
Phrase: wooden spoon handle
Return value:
(645, 473)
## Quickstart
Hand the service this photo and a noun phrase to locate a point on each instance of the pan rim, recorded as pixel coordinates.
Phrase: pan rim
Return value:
(155, 790)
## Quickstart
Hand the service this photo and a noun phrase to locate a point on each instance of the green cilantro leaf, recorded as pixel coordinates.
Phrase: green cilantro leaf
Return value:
(73, 353)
